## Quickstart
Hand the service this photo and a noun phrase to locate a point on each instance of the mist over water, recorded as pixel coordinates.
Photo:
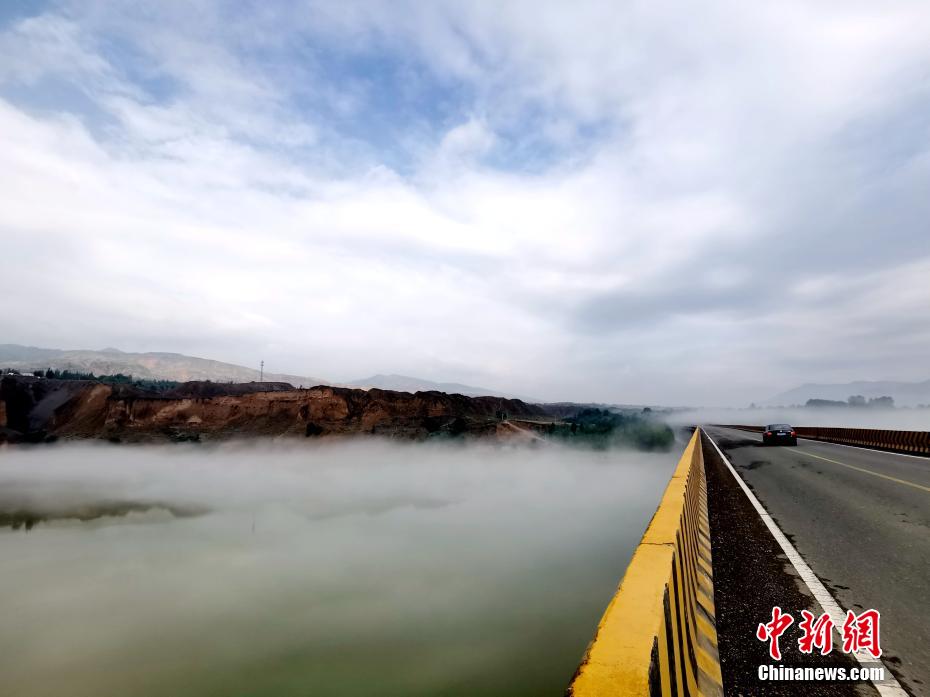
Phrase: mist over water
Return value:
(350, 568)
(903, 419)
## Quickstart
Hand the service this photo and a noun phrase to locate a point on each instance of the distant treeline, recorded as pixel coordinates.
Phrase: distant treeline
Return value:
(602, 428)
(856, 400)
(150, 385)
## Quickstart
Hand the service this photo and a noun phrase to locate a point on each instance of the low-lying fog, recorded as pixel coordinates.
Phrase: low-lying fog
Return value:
(846, 417)
(353, 568)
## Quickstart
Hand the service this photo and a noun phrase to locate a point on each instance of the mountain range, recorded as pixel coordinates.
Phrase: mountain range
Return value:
(177, 366)
(153, 365)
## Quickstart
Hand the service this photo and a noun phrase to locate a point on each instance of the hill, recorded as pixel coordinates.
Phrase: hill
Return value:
(156, 366)
(182, 368)
(405, 383)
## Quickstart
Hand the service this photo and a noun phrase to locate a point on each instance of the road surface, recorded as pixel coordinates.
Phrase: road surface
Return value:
(861, 520)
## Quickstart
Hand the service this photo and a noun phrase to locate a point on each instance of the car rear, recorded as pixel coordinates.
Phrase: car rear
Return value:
(779, 434)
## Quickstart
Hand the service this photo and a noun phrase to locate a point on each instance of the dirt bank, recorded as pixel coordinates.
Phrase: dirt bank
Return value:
(37, 409)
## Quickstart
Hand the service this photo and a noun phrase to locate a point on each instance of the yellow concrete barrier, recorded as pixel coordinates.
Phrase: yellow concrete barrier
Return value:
(658, 635)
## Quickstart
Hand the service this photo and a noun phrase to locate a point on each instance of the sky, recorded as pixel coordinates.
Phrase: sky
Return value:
(636, 202)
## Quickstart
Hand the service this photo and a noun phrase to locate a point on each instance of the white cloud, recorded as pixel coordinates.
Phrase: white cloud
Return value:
(50, 44)
(631, 204)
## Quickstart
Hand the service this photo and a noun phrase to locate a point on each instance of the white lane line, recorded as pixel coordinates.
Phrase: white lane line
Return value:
(863, 447)
(890, 687)
(867, 471)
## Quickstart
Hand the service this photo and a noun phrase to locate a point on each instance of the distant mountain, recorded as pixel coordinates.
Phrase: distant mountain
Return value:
(905, 394)
(160, 366)
(177, 366)
(405, 383)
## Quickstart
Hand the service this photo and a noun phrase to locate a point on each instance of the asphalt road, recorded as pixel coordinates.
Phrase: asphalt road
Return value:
(751, 576)
(861, 520)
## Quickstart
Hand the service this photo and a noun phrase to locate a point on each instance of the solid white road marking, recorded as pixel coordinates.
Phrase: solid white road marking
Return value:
(891, 687)
(863, 447)
(866, 471)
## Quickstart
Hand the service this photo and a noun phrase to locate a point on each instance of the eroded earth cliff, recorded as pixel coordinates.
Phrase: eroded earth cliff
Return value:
(38, 409)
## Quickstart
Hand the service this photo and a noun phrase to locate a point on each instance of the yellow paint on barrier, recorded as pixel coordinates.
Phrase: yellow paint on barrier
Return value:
(658, 633)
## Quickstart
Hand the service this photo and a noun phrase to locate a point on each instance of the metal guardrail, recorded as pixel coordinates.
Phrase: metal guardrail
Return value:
(916, 442)
(658, 635)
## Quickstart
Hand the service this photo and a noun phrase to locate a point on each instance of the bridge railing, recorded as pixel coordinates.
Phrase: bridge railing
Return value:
(916, 442)
(658, 635)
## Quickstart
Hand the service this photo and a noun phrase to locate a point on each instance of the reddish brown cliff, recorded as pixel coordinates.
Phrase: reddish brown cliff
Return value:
(37, 409)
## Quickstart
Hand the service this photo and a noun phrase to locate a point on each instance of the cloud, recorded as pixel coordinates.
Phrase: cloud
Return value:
(50, 45)
(618, 202)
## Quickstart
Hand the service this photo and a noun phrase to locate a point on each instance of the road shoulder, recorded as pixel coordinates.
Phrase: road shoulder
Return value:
(751, 575)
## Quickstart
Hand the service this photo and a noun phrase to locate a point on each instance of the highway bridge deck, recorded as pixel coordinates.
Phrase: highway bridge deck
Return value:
(859, 518)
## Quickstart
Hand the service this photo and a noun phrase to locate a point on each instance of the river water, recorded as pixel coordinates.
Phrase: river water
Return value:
(351, 568)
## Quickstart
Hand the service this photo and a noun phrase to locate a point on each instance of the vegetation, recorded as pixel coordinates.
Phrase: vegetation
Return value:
(150, 385)
(602, 429)
(856, 400)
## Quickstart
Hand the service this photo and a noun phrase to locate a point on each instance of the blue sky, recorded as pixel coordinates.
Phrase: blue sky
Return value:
(605, 201)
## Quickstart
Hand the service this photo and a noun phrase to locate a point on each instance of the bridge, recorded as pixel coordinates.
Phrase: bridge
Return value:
(839, 523)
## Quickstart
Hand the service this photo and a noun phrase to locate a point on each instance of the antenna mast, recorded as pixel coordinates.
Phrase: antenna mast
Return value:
(261, 374)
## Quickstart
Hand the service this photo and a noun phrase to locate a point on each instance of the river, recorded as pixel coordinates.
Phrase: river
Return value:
(346, 568)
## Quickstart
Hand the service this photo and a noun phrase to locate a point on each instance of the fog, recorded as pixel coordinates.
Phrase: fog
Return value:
(849, 417)
(351, 568)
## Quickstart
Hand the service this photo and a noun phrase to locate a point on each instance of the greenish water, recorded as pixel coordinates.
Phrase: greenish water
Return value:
(358, 568)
